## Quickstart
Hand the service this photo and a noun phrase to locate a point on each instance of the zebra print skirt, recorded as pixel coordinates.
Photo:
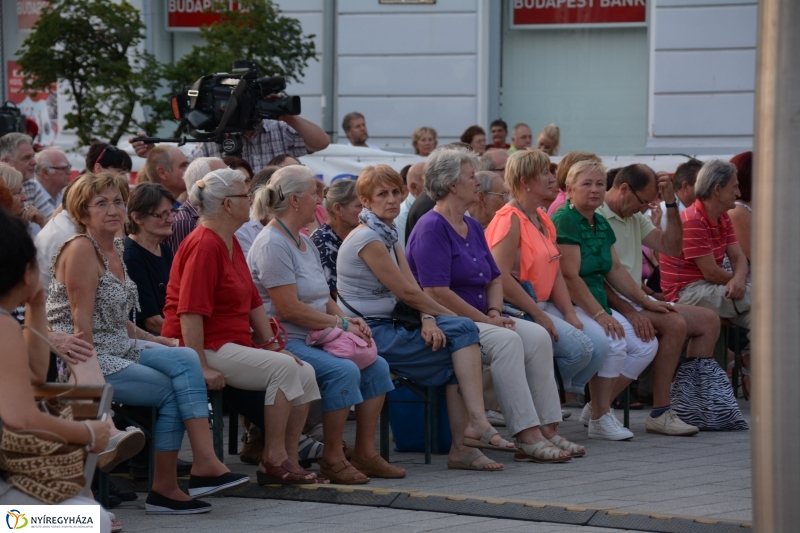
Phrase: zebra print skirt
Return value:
(701, 395)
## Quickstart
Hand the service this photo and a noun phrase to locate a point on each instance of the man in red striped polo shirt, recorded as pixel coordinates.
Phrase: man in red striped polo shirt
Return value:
(696, 277)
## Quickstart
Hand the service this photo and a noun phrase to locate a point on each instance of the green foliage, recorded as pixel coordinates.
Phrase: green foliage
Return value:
(92, 47)
(257, 32)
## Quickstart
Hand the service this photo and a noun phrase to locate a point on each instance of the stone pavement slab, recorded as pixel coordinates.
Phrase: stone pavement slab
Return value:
(707, 475)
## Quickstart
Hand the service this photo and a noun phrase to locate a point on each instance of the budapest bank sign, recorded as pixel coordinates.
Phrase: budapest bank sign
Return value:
(576, 13)
(192, 14)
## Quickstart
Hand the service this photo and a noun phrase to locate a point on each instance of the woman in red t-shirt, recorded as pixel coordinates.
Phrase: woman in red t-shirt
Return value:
(212, 305)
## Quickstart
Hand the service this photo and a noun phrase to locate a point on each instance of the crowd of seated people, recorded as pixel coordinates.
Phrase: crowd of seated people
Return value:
(500, 276)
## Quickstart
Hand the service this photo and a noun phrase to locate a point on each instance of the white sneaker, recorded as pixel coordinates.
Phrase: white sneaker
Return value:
(495, 418)
(669, 424)
(607, 427)
(586, 414)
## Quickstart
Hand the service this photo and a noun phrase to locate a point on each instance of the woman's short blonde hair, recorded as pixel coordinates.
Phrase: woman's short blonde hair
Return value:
(373, 177)
(89, 185)
(419, 132)
(10, 176)
(523, 166)
(584, 167)
(566, 163)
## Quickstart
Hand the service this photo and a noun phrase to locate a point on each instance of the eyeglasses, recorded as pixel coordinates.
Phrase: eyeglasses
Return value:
(165, 215)
(641, 202)
(503, 194)
(65, 168)
(119, 205)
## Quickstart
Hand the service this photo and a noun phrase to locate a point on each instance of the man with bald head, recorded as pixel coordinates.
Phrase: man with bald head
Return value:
(495, 161)
(635, 189)
(52, 173)
(521, 137)
(415, 185)
(165, 165)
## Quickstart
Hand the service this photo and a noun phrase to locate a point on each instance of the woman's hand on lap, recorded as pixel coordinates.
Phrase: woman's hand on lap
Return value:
(574, 321)
(71, 346)
(214, 378)
(547, 323)
(166, 341)
(363, 331)
(433, 336)
(500, 321)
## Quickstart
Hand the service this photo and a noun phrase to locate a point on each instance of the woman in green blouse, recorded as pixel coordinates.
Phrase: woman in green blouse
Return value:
(589, 262)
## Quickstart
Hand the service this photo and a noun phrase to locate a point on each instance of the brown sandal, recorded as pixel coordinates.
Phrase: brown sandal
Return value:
(342, 473)
(287, 473)
(378, 467)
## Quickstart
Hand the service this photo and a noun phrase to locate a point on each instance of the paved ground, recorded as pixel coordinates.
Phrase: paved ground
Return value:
(703, 476)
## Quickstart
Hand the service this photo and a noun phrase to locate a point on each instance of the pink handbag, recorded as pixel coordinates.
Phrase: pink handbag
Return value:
(344, 344)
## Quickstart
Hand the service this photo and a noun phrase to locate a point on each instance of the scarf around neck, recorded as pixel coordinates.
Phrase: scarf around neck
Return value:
(388, 234)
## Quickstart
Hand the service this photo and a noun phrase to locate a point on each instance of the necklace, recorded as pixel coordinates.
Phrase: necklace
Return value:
(536, 223)
(296, 241)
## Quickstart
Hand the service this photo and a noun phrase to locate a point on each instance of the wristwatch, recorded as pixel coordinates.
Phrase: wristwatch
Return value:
(427, 316)
(673, 204)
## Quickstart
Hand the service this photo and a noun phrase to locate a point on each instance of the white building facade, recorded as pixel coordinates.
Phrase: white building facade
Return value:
(680, 79)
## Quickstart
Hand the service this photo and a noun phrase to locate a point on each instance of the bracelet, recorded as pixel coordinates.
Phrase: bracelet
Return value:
(89, 446)
(597, 314)
(644, 299)
(427, 317)
(337, 321)
(345, 323)
(499, 311)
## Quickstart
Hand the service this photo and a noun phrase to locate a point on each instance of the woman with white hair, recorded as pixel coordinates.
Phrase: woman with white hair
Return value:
(212, 306)
(286, 268)
(450, 259)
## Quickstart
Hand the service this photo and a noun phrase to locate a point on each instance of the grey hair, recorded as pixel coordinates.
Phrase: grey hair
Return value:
(341, 191)
(197, 169)
(485, 177)
(43, 160)
(714, 172)
(443, 169)
(11, 141)
(208, 193)
(486, 163)
(293, 180)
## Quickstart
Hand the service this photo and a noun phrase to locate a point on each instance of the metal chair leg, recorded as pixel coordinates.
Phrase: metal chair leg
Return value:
(217, 423)
(233, 430)
(384, 430)
(627, 415)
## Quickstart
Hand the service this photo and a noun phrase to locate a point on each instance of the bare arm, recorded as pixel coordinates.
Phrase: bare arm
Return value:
(17, 407)
(315, 137)
(81, 281)
(620, 279)
(578, 290)
(153, 324)
(194, 338)
(742, 225)
(504, 253)
(38, 349)
(494, 298)
(712, 272)
(399, 279)
(291, 309)
(670, 241)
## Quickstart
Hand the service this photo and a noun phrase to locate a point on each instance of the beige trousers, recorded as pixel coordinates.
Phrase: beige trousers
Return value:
(255, 369)
(712, 296)
(521, 365)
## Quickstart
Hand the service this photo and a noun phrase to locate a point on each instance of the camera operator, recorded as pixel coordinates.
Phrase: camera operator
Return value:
(289, 134)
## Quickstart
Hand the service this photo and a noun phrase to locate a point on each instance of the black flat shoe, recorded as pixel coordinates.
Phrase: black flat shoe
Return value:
(203, 486)
(158, 504)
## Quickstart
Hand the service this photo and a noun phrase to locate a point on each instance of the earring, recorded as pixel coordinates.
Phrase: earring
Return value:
(528, 189)
(571, 205)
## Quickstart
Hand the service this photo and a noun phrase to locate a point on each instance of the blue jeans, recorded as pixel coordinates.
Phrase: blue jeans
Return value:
(167, 378)
(341, 383)
(578, 353)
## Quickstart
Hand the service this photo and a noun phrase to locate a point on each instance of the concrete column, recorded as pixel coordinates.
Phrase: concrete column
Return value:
(776, 271)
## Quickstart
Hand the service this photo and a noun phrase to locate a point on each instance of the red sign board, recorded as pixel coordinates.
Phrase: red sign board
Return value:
(191, 14)
(28, 12)
(578, 12)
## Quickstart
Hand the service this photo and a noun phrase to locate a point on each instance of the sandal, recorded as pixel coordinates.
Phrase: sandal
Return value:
(342, 473)
(309, 451)
(542, 452)
(378, 467)
(486, 444)
(284, 474)
(571, 447)
(466, 463)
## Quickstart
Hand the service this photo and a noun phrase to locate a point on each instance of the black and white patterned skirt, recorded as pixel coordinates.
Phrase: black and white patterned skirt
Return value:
(701, 395)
